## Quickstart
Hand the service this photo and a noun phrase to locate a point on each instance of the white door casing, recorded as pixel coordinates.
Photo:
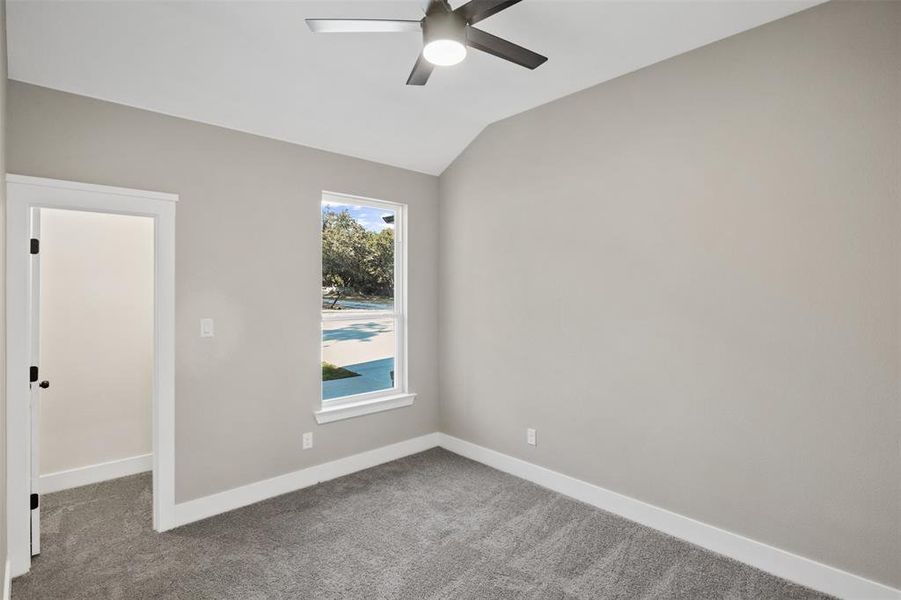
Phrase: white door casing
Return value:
(27, 193)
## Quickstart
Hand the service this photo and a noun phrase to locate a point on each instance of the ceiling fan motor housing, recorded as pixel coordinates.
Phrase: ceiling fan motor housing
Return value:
(441, 25)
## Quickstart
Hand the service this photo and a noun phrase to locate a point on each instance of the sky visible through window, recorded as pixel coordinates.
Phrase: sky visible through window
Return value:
(368, 217)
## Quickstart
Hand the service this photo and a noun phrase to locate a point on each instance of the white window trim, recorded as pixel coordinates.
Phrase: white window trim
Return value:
(348, 410)
(399, 396)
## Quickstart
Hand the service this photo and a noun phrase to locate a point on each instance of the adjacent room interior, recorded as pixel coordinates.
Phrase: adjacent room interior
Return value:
(95, 323)
(96, 337)
(438, 300)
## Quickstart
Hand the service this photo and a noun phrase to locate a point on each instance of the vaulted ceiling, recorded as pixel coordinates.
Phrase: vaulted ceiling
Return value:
(253, 65)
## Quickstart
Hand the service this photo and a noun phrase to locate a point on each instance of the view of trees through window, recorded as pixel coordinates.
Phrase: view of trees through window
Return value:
(357, 258)
(358, 324)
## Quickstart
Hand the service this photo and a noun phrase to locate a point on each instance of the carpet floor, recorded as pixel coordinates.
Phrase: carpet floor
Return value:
(431, 526)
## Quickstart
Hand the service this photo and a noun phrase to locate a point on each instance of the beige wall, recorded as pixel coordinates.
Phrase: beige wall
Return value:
(96, 338)
(687, 279)
(247, 255)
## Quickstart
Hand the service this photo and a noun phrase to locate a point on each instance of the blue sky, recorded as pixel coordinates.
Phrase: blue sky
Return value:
(370, 218)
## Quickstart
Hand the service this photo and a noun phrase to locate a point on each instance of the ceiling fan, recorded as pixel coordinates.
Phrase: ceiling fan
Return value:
(446, 33)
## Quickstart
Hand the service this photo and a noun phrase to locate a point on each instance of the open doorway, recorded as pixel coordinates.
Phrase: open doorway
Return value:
(95, 354)
(90, 317)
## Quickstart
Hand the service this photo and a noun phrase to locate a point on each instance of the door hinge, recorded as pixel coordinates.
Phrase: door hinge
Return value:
(32, 374)
(35, 501)
(35, 245)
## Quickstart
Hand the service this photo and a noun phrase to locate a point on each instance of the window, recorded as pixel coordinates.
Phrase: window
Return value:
(363, 307)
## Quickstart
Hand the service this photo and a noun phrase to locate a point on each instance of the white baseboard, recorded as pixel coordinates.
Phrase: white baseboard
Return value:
(208, 506)
(766, 558)
(64, 480)
(7, 582)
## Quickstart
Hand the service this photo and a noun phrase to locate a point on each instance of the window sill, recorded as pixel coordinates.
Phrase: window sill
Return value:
(363, 407)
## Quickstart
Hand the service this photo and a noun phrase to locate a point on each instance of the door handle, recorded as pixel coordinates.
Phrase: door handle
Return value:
(44, 384)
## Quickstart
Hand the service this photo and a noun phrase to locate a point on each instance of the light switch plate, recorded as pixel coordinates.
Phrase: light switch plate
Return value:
(206, 328)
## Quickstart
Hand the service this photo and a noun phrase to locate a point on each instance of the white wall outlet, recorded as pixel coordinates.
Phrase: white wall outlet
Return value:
(206, 328)
(531, 437)
(308, 440)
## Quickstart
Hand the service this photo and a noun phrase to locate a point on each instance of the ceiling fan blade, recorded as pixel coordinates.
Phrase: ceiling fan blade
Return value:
(480, 40)
(362, 25)
(476, 10)
(421, 71)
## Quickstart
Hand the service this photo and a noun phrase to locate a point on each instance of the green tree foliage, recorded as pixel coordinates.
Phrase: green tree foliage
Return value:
(380, 262)
(354, 259)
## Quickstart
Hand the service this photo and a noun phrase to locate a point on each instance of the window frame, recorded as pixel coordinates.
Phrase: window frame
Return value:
(357, 404)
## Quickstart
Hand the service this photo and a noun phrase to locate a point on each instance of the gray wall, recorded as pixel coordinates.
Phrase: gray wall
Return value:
(687, 279)
(247, 255)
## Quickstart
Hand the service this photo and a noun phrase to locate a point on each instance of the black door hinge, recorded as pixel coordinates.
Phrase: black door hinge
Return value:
(35, 245)
(32, 374)
(35, 501)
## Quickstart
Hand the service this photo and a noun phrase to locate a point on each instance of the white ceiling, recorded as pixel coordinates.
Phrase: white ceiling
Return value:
(253, 66)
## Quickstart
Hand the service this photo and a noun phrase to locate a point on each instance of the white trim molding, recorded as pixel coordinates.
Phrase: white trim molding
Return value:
(767, 558)
(348, 410)
(208, 506)
(7, 582)
(89, 187)
(23, 195)
(73, 478)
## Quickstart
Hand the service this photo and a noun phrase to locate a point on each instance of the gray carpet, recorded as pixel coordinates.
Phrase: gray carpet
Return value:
(431, 526)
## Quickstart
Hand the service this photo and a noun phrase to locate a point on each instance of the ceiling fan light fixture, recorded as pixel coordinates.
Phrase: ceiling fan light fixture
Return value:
(444, 53)
(443, 37)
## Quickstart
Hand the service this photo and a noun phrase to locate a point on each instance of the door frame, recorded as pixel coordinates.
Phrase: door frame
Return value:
(23, 194)
(34, 393)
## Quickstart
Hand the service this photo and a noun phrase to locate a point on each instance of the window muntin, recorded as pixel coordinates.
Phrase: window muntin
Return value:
(362, 299)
